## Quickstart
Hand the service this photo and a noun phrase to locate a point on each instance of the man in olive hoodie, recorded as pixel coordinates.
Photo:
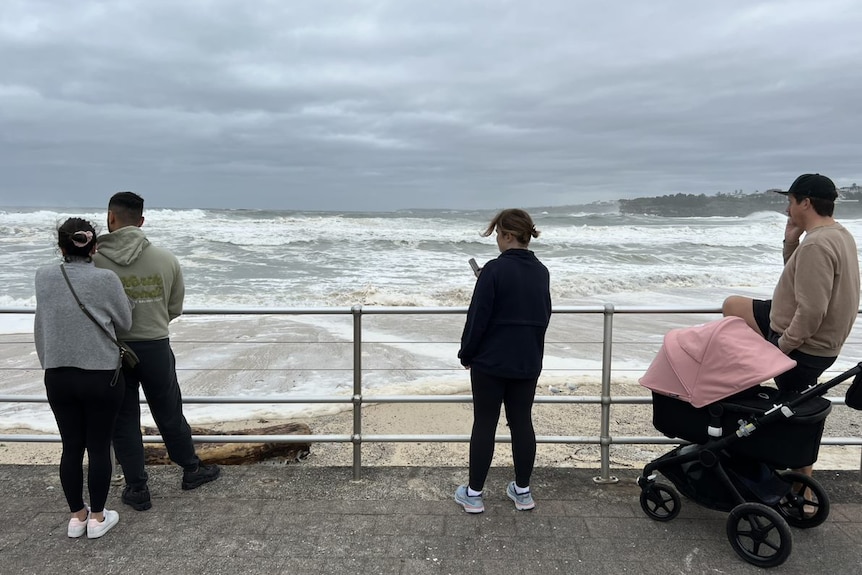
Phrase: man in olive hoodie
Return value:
(152, 278)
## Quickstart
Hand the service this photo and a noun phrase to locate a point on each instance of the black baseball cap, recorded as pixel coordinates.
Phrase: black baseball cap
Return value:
(812, 186)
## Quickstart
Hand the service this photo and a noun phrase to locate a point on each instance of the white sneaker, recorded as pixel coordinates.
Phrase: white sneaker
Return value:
(95, 529)
(76, 527)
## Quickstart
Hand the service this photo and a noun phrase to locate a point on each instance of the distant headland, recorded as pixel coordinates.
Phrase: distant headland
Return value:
(732, 204)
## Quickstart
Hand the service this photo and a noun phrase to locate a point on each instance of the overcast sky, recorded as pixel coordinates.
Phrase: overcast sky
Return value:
(383, 105)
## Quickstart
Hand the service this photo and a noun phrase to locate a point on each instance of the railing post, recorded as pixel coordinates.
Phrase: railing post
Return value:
(604, 433)
(357, 391)
(117, 477)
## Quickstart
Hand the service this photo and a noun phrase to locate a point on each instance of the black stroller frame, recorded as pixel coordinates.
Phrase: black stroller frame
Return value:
(729, 470)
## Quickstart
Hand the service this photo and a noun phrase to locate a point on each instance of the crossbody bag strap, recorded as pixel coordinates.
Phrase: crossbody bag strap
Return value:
(84, 308)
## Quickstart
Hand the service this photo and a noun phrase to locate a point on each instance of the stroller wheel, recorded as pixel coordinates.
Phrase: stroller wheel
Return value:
(660, 502)
(759, 535)
(806, 504)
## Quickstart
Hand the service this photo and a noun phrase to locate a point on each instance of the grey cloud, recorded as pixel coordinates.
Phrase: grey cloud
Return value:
(388, 105)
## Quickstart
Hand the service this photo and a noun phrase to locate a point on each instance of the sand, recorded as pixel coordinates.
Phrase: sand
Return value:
(456, 419)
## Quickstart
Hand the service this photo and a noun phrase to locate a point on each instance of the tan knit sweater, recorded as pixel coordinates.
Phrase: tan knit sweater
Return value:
(816, 300)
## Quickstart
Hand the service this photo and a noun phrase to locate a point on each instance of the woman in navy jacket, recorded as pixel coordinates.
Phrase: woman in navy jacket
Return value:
(502, 346)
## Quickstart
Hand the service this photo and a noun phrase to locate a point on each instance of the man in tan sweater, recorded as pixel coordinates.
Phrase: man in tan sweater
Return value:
(816, 301)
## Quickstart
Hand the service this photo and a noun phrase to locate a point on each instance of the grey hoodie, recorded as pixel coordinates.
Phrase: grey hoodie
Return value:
(151, 277)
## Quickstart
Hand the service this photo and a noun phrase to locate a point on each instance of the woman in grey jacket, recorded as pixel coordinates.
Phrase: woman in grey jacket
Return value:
(82, 370)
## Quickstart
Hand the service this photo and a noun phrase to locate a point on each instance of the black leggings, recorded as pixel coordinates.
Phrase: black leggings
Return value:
(489, 393)
(85, 405)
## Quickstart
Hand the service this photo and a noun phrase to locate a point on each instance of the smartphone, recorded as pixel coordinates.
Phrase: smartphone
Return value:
(476, 269)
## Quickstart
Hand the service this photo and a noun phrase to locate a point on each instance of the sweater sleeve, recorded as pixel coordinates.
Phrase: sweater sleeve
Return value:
(120, 306)
(788, 248)
(815, 274)
(478, 316)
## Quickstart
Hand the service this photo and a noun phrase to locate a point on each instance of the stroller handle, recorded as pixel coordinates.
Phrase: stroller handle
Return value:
(820, 389)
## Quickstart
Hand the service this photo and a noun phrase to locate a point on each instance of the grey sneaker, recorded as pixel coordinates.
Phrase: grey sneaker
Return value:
(470, 504)
(523, 501)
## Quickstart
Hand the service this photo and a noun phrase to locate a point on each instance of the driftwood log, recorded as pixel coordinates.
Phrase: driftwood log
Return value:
(236, 453)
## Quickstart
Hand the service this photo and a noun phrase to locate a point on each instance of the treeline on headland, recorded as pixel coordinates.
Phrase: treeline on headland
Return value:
(733, 204)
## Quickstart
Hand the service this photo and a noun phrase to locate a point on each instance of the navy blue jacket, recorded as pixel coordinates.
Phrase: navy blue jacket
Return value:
(505, 331)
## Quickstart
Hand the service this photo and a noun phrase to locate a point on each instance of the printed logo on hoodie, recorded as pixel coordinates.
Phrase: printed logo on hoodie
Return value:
(144, 289)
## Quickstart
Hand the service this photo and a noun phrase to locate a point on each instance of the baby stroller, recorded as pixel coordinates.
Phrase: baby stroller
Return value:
(744, 437)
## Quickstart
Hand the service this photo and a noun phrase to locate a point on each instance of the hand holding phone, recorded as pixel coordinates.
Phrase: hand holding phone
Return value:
(476, 269)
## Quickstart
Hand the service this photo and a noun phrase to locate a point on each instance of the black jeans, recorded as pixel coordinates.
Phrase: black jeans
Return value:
(85, 405)
(156, 374)
(489, 393)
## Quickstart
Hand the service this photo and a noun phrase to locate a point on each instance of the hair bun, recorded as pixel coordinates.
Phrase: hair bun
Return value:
(81, 238)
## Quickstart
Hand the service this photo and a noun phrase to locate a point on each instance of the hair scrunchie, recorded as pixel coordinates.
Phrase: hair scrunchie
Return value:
(81, 238)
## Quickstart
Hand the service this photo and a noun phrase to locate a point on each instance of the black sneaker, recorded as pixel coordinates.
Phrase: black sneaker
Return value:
(137, 499)
(203, 474)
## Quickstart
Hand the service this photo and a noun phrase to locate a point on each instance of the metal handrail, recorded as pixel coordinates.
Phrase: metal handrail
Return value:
(604, 440)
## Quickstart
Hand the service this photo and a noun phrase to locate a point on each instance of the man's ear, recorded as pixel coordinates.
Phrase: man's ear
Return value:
(141, 223)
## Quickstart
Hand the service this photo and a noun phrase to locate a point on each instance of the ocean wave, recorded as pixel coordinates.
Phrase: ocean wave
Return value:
(566, 288)
(768, 216)
(571, 288)
(373, 295)
(184, 215)
(49, 219)
(11, 301)
(278, 259)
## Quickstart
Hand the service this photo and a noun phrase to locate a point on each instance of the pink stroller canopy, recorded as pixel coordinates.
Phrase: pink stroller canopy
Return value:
(714, 360)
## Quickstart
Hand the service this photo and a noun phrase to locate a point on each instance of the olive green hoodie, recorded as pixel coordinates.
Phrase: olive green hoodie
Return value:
(151, 277)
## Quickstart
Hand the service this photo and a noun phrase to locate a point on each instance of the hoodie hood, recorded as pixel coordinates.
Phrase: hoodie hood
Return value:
(123, 246)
